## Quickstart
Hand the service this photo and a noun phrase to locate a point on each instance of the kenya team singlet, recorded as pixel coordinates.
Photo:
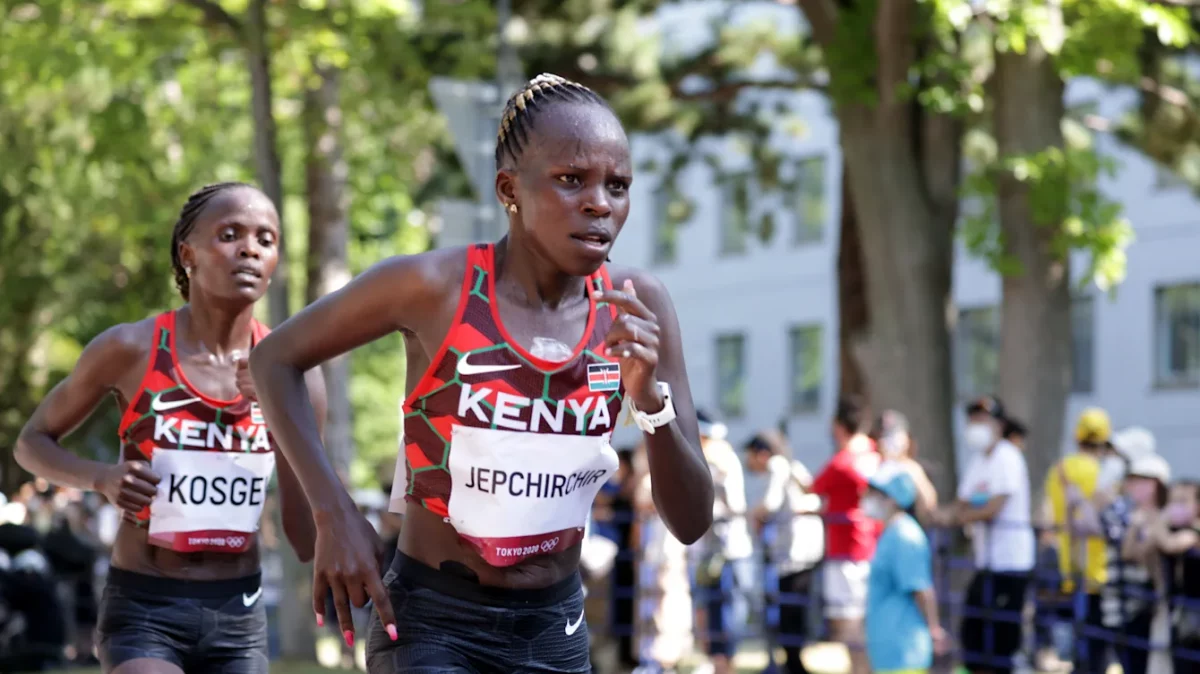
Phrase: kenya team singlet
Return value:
(509, 448)
(215, 457)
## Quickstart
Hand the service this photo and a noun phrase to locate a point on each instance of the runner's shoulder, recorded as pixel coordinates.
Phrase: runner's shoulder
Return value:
(427, 274)
(649, 287)
(122, 347)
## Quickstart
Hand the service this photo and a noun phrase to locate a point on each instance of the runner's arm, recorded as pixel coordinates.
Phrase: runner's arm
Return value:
(681, 483)
(112, 354)
(366, 309)
(295, 512)
(348, 551)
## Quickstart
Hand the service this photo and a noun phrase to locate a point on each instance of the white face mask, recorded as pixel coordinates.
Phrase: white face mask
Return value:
(979, 436)
(874, 507)
(893, 445)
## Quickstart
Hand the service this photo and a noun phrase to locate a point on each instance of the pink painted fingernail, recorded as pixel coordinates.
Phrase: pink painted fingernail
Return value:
(391, 630)
(349, 636)
(320, 619)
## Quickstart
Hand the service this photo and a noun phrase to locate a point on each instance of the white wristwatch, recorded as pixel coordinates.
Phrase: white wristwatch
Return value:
(649, 422)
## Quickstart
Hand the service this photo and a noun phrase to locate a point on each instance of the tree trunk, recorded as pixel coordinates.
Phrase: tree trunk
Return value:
(853, 316)
(266, 152)
(908, 248)
(328, 233)
(1035, 327)
(902, 162)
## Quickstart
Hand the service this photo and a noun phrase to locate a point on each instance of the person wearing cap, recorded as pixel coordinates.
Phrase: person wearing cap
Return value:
(902, 626)
(723, 571)
(1076, 491)
(1128, 599)
(994, 502)
(898, 448)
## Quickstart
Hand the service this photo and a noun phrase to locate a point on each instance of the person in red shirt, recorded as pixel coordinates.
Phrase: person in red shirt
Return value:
(850, 535)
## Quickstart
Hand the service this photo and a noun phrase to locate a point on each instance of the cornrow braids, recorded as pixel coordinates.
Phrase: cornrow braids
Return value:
(541, 93)
(187, 222)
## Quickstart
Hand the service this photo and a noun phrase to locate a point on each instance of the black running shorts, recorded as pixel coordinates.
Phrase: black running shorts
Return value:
(198, 626)
(450, 625)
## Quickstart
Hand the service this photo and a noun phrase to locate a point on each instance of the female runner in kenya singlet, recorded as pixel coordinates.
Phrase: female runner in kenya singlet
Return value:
(504, 447)
(183, 591)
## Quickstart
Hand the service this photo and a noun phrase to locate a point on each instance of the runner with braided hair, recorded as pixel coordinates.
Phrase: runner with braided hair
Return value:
(506, 425)
(183, 590)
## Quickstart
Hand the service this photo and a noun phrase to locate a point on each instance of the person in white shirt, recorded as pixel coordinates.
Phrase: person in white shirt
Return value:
(724, 571)
(789, 518)
(994, 502)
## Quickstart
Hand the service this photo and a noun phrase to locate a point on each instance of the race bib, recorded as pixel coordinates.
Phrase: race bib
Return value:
(208, 500)
(515, 495)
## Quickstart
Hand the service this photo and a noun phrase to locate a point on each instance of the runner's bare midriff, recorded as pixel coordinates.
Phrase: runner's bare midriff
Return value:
(431, 541)
(133, 552)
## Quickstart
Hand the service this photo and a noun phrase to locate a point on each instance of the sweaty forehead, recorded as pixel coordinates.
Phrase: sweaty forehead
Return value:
(244, 205)
(580, 135)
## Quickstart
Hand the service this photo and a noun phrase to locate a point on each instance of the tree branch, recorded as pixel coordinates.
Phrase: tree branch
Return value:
(895, 49)
(822, 17)
(216, 15)
(1164, 92)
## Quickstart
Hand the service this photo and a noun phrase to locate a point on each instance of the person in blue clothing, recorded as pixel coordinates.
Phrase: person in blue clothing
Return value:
(903, 632)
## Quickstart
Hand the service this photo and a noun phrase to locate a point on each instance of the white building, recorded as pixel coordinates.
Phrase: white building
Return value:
(759, 321)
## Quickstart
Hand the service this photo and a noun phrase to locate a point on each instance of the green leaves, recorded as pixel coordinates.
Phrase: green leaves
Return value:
(1063, 193)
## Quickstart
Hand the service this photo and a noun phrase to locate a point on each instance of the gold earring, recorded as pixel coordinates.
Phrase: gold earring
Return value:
(188, 270)
(512, 208)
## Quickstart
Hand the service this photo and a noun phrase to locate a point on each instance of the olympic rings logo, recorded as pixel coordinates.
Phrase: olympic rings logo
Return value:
(549, 544)
(235, 541)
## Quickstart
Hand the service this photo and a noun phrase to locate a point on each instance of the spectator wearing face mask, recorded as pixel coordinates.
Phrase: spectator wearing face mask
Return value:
(1178, 539)
(902, 626)
(899, 450)
(1128, 600)
(1077, 488)
(993, 500)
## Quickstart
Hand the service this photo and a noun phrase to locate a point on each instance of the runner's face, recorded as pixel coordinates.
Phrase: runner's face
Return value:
(234, 248)
(572, 186)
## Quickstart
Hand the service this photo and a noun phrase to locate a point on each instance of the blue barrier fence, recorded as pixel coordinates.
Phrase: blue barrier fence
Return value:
(1044, 611)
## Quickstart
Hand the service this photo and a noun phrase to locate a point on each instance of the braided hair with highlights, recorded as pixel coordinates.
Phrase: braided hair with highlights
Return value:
(187, 222)
(539, 95)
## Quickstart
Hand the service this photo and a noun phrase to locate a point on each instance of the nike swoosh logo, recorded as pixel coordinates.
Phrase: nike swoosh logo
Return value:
(465, 368)
(249, 599)
(160, 405)
(573, 627)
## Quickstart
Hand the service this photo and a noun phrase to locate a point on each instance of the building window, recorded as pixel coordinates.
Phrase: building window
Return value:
(735, 215)
(805, 368)
(731, 374)
(977, 351)
(1177, 335)
(809, 204)
(665, 229)
(1083, 330)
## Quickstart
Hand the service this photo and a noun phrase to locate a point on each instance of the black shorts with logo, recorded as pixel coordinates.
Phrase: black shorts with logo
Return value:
(198, 626)
(450, 625)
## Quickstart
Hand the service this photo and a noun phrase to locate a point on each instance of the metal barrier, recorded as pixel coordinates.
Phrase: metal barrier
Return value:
(1045, 607)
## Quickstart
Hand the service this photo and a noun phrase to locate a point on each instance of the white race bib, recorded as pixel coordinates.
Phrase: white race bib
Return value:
(517, 494)
(209, 491)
